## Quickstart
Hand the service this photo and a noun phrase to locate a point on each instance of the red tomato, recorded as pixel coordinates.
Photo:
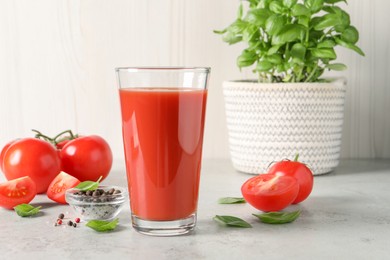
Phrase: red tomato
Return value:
(61, 144)
(34, 158)
(59, 185)
(87, 158)
(300, 172)
(5, 148)
(18, 191)
(268, 192)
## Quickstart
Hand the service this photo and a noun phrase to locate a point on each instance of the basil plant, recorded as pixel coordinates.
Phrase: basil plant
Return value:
(291, 40)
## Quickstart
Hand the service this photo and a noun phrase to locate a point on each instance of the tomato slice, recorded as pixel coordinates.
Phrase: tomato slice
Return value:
(17, 191)
(268, 192)
(300, 172)
(61, 183)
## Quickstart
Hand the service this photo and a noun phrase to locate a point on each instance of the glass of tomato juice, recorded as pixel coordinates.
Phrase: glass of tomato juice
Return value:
(163, 115)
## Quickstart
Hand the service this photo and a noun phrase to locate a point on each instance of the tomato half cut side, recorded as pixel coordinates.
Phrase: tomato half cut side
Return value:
(61, 183)
(17, 191)
(268, 192)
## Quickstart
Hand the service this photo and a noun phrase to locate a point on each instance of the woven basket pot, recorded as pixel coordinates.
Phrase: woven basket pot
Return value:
(269, 122)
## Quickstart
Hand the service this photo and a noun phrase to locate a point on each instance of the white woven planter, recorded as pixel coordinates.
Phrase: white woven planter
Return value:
(271, 121)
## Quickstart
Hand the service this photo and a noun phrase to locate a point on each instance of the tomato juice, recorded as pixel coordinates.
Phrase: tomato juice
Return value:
(163, 136)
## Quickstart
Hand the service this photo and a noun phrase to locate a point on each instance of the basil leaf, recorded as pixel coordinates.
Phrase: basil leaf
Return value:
(349, 46)
(326, 21)
(246, 59)
(337, 66)
(231, 200)
(278, 217)
(26, 210)
(299, 10)
(325, 53)
(350, 35)
(88, 185)
(314, 5)
(102, 225)
(326, 44)
(274, 24)
(231, 221)
(289, 3)
(289, 33)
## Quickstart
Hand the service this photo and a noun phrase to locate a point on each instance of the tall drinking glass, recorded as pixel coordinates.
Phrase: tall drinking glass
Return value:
(163, 114)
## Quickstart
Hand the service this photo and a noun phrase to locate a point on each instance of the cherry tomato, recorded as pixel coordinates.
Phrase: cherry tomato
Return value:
(300, 172)
(268, 192)
(34, 158)
(87, 158)
(5, 148)
(60, 185)
(18, 191)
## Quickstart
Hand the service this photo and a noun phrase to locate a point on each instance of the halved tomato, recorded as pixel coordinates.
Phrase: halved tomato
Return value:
(60, 185)
(17, 191)
(268, 192)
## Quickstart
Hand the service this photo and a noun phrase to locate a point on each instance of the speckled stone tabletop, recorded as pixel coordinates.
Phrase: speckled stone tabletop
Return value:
(347, 216)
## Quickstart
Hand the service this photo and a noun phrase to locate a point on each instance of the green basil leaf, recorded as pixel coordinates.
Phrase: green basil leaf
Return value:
(350, 35)
(326, 44)
(246, 59)
(231, 221)
(276, 7)
(231, 38)
(237, 26)
(102, 225)
(257, 17)
(314, 5)
(326, 21)
(300, 10)
(26, 210)
(240, 11)
(289, 3)
(274, 24)
(275, 58)
(349, 46)
(337, 66)
(298, 51)
(289, 33)
(304, 20)
(251, 33)
(88, 185)
(231, 200)
(325, 53)
(264, 65)
(274, 49)
(278, 217)
(345, 21)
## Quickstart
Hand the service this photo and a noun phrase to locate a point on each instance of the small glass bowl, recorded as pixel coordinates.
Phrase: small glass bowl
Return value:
(99, 207)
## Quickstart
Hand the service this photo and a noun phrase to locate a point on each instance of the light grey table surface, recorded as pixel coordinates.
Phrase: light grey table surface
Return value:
(347, 216)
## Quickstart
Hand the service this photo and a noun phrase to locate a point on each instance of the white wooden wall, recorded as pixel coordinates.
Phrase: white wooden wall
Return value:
(57, 61)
